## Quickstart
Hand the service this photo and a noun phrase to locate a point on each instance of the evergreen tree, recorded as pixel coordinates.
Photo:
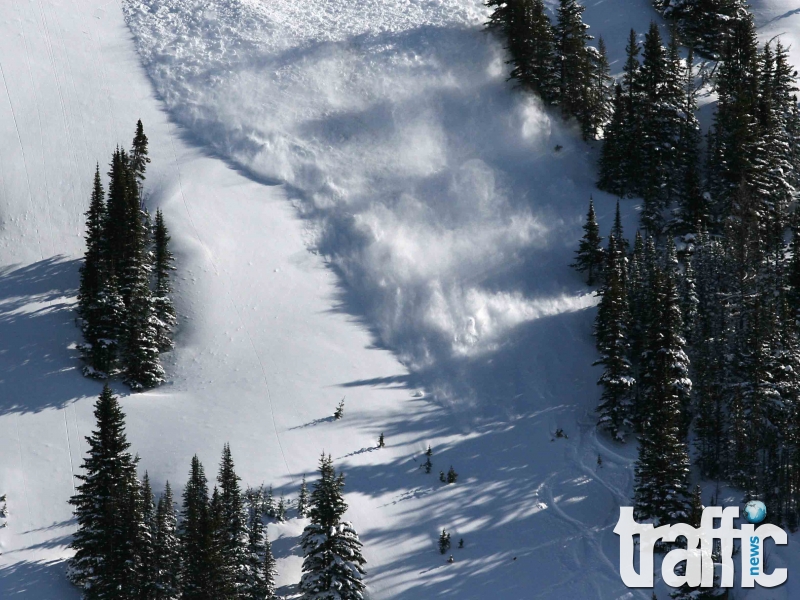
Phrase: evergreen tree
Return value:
(143, 368)
(589, 256)
(139, 158)
(663, 465)
(693, 210)
(163, 310)
(302, 499)
(530, 46)
(574, 59)
(104, 549)
(620, 169)
(233, 520)
(255, 581)
(148, 568)
(611, 330)
(93, 270)
(332, 564)
(195, 535)
(223, 579)
(444, 542)
(270, 570)
(167, 549)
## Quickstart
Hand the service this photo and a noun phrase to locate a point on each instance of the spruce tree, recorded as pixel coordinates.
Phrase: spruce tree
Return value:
(574, 59)
(662, 468)
(302, 499)
(93, 270)
(148, 568)
(194, 533)
(444, 541)
(611, 330)
(589, 256)
(530, 46)
(332, 563)
(270, 570)
(139, 158)
(255, 585)
(163, 310)
(102, 543)
(233, 519)
(167, 549)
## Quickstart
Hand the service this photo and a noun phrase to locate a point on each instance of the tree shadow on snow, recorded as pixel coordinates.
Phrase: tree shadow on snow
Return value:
(39, 367)
(36, 581)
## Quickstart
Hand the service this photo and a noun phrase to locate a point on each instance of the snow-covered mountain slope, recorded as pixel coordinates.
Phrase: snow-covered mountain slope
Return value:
(381, 134)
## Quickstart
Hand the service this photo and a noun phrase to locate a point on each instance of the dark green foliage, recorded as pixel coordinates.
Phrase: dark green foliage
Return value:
(611, 331)
(163, 310)
(452, 476)
(105, 542)
(530, 46)
(139, 158)
(444, 542)
(125, 323)
(167, 549)
(589, 256)
(195, 535)
(302, 499)
(332, 563)
(233, 520)
(662, 469)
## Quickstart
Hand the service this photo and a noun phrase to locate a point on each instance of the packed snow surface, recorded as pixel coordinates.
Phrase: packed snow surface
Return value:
(361, 206)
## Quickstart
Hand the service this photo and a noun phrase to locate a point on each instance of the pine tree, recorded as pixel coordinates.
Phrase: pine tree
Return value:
(574, 59)
(148, 568)
(143, 368)
(302, 499)
(269, 504)
(223, 578)
(654, 138)
(444, 542)
(589, 256)
(167, 549)
(452, 476)
(339, 412)
(332, 563)
(600, 95)
(693, 210)
(620, 166)
(103, 546)
(195, 535)
(93, 270)
(233, 519)
(139, 158)
(611, 330)
(163, 310)
(255, 583)
(530, 46)
(663, 465)
(270, 570)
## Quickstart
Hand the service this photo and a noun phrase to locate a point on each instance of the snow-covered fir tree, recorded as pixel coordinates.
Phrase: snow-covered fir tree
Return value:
(589, 257)
(167, 549)
(333, 567)
(611, 331)
(163, 309)
(105, 551)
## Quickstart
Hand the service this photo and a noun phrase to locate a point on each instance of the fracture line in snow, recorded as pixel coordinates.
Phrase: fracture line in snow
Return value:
(230, 297)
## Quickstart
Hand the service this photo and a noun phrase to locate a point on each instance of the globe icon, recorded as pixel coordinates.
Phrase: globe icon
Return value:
(756, 511)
